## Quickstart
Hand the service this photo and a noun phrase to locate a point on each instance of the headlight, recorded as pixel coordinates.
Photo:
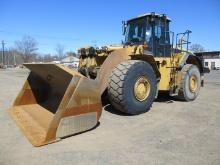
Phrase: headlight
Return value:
(90, 51)
(87, 52)
(82, 52)
(105, 48)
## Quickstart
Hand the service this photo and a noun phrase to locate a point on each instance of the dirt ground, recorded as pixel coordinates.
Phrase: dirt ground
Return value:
(169, 134)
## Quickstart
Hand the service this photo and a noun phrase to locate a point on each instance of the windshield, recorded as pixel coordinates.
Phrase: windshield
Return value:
(154, 35)
(136, 32)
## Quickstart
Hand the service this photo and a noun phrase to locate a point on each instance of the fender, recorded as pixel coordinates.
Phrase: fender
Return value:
(192, 59)
(116, 58)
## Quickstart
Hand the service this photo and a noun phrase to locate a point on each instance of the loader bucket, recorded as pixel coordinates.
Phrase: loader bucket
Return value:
(55, 102)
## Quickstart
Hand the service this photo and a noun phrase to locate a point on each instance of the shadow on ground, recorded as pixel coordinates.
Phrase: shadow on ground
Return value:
(162, 98)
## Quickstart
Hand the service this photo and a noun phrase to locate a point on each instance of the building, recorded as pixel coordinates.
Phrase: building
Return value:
(210, 60)
(70, 61)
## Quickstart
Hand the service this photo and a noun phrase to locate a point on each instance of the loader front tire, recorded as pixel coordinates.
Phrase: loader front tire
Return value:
(132, 87)
(190, 83)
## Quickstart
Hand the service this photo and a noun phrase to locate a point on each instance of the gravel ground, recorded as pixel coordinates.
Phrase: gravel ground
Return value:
(170, 133)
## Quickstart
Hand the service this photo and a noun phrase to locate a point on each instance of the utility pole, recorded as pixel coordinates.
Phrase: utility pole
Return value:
(8, 58)
(3, 51)
(14, 58)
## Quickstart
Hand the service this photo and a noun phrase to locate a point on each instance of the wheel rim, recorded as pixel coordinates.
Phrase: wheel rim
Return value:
(193, 83)
(141, 88)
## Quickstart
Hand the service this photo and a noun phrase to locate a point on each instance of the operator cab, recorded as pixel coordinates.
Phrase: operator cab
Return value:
(151, 30)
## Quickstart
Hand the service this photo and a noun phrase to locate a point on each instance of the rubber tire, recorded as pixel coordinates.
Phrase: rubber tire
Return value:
(184, 93)
(121, 84)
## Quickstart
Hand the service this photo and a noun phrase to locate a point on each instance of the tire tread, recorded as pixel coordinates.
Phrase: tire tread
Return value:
(116, 81)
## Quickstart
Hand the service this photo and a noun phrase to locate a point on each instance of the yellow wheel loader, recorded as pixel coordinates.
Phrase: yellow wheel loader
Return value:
(56, 102)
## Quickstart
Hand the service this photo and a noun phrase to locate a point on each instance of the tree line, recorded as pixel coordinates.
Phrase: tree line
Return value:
(25, 51)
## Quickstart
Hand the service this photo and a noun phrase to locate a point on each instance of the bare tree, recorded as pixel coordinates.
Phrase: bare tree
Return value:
(197, 48)
(26, 48)
(60, 51)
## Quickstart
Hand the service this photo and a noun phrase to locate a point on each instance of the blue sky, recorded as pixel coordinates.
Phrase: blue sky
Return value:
(97, 22)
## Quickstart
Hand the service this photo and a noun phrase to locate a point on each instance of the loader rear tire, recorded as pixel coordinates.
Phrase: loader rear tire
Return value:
(190, 83)
(132, 87)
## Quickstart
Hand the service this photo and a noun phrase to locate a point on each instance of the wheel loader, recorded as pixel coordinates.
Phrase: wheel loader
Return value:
(56, 102)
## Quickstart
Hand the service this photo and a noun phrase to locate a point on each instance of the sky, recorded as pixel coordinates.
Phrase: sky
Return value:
(75, 24)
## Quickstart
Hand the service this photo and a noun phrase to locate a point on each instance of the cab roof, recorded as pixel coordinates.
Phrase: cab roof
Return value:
(150, 15)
